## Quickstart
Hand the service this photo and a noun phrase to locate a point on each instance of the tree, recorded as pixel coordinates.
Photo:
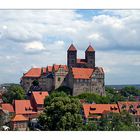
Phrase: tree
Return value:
(14, 92)
(114, 95)
(117, 122)
(130, 90)
(1, 120)
(61, 113)
(90, 127)
(92, 97)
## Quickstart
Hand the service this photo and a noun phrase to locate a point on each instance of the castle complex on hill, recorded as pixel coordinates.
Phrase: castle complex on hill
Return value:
(80, 75)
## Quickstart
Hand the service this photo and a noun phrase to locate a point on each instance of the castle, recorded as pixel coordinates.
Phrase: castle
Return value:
(80, 75)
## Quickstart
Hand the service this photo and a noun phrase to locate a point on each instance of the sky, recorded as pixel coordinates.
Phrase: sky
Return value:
(37, 38)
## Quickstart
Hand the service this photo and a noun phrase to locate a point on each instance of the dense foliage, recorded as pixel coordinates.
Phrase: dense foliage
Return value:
(1, 121)
(91, 97)
(114, 95)
(14, 92)
(62, 112)
(117, 122)
(128, 93)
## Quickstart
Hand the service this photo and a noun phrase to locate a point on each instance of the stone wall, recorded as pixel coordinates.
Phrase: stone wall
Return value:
(46, 83)
(60, 78)
(81, 86)
(27, 82)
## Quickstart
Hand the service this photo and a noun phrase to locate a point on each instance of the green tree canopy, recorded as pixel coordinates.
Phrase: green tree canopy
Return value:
(1, 120)
(91, 97)
(130, 90)
(90, 127)
(14, 92)
(117, 122)
(114, 95)
(61, 113)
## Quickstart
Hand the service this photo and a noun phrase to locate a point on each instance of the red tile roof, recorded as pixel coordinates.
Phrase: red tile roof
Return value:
(82, 61)
(90, 49)
(72, 48)
(40, 96)
(96, 109)
(23, 107)
(64, 67)
(49, 68)
(130, 105)
(19, 118)
(82, 73)
(33, 72)
(56, 67)
(8, 107)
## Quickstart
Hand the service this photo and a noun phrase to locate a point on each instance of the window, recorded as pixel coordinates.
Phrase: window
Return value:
(93, 79)
(72, 61)
(90, 54)
(123, 106)
(131, 106)
(90, 62)
(59, 79)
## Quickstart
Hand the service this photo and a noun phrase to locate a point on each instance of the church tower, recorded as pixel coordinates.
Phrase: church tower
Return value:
(90, 57)
(71, 56)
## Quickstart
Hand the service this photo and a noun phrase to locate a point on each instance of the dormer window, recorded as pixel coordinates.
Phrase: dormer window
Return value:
(131, 106)
(72, 61)
(111, 108)
(123, 106)
(30, 108)
(115, 108)
(138, 106)
(92, 108)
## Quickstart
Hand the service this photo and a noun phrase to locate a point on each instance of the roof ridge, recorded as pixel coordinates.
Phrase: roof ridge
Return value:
(72, 48)
(90, 49)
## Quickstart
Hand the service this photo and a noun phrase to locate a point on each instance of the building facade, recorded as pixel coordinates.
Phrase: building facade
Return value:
(80, 75)
(19, 122)
(37, 100)
(133, 108)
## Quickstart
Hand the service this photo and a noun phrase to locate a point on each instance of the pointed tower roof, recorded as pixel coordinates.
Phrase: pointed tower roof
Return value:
(90, 49)
(72, 48)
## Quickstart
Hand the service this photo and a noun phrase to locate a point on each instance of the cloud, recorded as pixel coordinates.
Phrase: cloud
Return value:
(34, 47)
